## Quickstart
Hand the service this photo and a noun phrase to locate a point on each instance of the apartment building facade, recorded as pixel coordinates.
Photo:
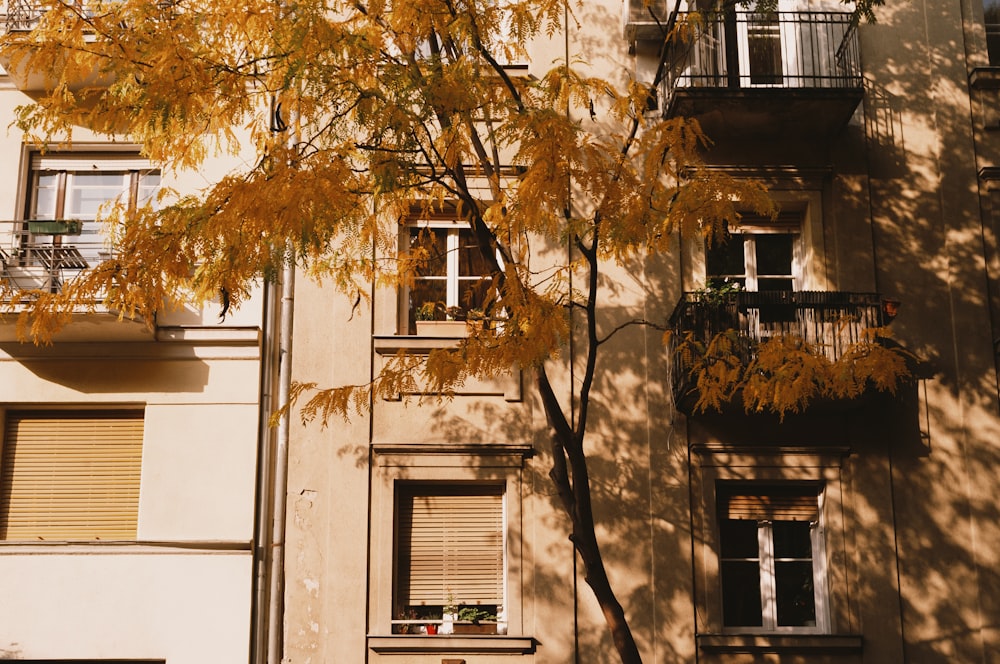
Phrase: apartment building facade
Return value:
(862, 530)
(428, 530)
(129, 447)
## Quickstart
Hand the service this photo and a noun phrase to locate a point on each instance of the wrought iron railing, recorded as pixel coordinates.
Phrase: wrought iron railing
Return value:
(769, 49)
(46, 254)
(22, 15)
(830, 322)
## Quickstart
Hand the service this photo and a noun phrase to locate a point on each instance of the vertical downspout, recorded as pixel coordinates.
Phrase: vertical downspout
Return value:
(265, 474)
(277, 576)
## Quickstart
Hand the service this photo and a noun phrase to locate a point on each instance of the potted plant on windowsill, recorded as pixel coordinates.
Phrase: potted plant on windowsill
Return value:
(475, 620)
(433, 319)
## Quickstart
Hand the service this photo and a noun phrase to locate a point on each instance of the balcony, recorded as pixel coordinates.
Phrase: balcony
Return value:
(22, 17)
(828, 321)
(767, 74)
(44, 255)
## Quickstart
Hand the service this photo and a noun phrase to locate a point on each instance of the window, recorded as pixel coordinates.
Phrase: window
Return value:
(451, 273)
(772, 558)
(70, 475)
(449, 559)
(991, 16)
(759, 256)
(446, 533)
(764, 48)
(75, 186)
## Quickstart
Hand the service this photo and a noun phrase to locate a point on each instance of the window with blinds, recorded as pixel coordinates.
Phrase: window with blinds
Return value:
(772, 561)
(449, 548)
(70, 475)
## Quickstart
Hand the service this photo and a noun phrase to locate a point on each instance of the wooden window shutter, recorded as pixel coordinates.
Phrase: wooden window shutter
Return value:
(70, 475)
(775, 503)
(450, 546)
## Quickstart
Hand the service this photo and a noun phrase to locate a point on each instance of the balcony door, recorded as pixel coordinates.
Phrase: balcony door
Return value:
(756, 259)
(761, 47)
(761, 256)
(76, 186)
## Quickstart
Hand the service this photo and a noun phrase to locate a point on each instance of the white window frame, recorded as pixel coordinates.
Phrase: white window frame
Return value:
(713, 463)
(750, 233)
(768, 579)
(66, 166)
(452, 278)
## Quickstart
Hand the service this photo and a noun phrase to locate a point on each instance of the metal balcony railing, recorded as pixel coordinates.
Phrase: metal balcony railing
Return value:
(46, 254)
(829, 321)
(791, 50)
(22, 15)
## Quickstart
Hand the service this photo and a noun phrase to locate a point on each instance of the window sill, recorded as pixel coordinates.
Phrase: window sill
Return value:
(985, 78)
(390, 345)
(763, 643)
(409, 643)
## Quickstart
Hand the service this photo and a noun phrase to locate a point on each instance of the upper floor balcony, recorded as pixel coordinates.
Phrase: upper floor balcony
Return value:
(44, 255)
(830, 322)
(767, 73)
(22, 17)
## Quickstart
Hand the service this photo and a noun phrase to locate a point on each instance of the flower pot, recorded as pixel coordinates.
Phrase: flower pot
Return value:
(56, 227)
(442, 328)
(475, 628)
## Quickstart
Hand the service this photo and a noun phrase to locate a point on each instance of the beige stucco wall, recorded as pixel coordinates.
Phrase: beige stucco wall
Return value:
(104, 602)
(914, 551)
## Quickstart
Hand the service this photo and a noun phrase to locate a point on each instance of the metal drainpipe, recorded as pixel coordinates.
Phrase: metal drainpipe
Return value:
(265, 438)
(280, 499)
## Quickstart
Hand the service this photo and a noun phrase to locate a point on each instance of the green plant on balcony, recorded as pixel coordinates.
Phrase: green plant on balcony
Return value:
(716, 292)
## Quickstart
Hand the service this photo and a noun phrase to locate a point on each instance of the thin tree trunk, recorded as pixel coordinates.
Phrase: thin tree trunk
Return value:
(571, 477)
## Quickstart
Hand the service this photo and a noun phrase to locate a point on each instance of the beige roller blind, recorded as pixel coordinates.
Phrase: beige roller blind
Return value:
(780, 503)
(450, 546)
(88, 161)
(70, 475)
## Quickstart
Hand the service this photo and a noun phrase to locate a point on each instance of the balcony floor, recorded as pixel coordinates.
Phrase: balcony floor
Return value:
(766, 113)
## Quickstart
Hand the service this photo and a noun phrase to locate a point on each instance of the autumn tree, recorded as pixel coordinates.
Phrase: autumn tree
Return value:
(360, 115)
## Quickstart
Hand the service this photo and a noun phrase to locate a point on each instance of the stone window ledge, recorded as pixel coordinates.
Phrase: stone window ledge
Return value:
(412, 644)
(764, 643)
(985, 78)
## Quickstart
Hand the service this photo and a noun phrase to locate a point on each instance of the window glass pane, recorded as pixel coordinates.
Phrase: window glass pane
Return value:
(727, 258)
(89, 191)
(45, 197)
(148, 184)
(472, 293)
(433, 241)
(795, 597)
(741, 594)
(792, 539)
(774, 254)
(738, 538)
(424, 291)
(470, 257)
(764, 43)
(991, 14)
